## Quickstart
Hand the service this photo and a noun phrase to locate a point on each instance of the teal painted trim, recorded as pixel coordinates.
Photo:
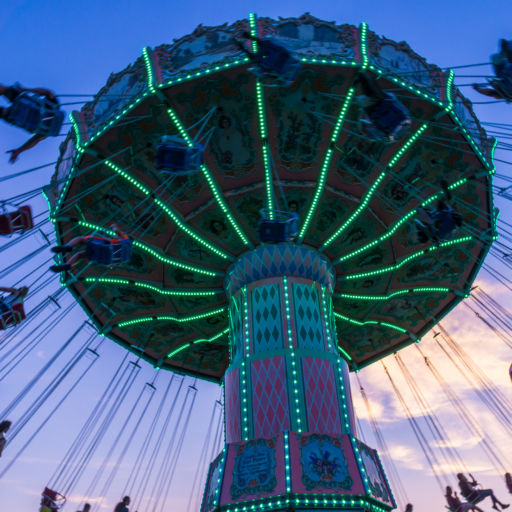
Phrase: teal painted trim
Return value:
(360, 465)
(342, 397)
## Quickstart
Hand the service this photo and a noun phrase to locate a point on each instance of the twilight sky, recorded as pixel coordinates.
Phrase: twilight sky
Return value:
(72, 47)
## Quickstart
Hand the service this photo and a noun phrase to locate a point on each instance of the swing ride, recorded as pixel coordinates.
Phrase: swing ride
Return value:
(298, 199)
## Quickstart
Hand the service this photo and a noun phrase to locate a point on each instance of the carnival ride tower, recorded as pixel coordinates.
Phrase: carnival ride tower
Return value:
(279, 324)
(289, 422)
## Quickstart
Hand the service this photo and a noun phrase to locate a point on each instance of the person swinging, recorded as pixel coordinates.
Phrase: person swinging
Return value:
(383, 117)
(501, 86)
(11, 306)
(438, 224)
(36, 110)
(100, 249)
(473, 495)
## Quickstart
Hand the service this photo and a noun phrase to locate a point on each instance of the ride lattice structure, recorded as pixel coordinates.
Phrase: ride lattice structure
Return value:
(280, 324)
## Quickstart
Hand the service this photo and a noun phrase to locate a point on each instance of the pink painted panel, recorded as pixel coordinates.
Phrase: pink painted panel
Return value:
(271, 413)
(321, 399)
(232, 400)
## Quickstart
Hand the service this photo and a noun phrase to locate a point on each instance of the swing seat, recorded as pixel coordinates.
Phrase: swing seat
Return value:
(389, 118)
(275, 62)
(176, 157)
(282, 228)
(18, 221)
(108, 252)
(13, 316)
(51, 500)
(36, 114)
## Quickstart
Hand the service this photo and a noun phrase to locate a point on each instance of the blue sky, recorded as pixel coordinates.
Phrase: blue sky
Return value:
(72, 47)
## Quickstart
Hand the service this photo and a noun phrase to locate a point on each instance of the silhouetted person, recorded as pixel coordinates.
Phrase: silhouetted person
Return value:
(86, 508)
(36, 110)
(508, 482)
(469, 491)
(408, 507)
(455, 505)
(4, 427)
(122, 506)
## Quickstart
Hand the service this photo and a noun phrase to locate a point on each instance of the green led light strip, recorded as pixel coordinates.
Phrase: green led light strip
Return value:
(372, 322)
(414, 255)
(173, 292)
(262, 122)
(357, 501)
(364, 45)
(149, 69)
(173, 215)
(425, 289)
(295, 378)
(449, 91)
(195, 342)
(76, 129)
(398, 224)
(287, 467)
(164, 259)
(327, 162)
(359, 459)
(205, 71)
(343, 396)
(405, 85)
(341, 63)
(366, 198)
(219, 198)
(170, 318)
(243, 368)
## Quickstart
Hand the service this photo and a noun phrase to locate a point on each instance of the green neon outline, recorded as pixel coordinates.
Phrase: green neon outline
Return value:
(174, 216)
(164, 259)
(170, 318)
(141, 284)
(284, 501)
(205, 71)
(327, 162)
(421, 289)
(367, 197)
(76, 128)
(449, 91)
(200, 340)
(149, 69)
(392, 230)
(363, 45)
(262, 123)
(219, 198)
(407, 259)
(373, 322)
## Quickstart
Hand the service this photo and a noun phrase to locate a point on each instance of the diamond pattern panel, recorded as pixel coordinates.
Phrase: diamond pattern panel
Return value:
(267, 326)
(236, 326)
(308, 317)
(270, 397)
(278, 260)
(321, 399)
(232, 404)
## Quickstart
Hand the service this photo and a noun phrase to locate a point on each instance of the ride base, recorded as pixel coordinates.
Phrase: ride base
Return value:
(289, 421)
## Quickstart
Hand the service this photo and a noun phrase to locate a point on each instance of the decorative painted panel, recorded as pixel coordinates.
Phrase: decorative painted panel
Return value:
(322, 407)
(267, 318)
(308, 318)
(232, 401)
(270, 396)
